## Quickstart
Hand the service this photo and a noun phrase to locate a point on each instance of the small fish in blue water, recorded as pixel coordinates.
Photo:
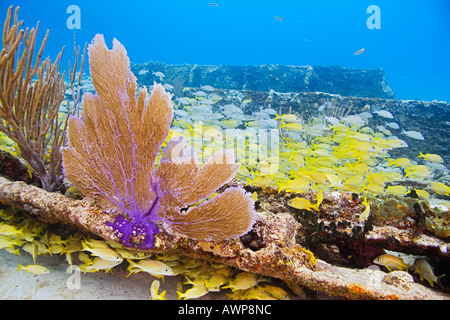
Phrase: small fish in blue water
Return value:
(158, 74)
(384, 114)
(278, 18)
(359, 51)
(392, 125)
(207, 88)
(269, 111)
(413, 134)
(200, 94)
(142, 72)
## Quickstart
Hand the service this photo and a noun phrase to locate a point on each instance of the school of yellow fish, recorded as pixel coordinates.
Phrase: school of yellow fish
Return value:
(319, 154)
(307, 155)
(19, 234)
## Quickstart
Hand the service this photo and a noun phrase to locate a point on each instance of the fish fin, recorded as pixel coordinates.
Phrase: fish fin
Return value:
(35, 252)
(319, 199)
(69, 260)
(130, 267)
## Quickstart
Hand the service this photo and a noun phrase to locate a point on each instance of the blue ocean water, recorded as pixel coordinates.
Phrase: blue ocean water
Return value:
(411, 45)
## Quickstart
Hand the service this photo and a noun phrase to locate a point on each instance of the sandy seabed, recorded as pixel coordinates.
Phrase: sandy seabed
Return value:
(61, 284)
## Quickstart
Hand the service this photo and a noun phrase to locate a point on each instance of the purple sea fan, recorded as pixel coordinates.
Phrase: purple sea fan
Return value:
(111, 156)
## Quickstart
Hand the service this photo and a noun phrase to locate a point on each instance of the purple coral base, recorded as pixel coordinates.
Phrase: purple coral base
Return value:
(140, 223)
(134, 227)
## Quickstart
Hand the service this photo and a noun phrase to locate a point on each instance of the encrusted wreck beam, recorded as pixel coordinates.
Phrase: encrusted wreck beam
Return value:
(278, 255)
(400, 224)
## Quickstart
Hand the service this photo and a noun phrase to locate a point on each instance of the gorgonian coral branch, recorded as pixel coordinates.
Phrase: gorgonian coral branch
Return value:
(111, 157)
(31, 92)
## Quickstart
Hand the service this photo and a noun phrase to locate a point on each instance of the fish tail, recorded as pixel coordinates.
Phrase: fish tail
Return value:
(391, 162)
(83, 268)
(421, 155)
(319, 199)
(85, 246)
(179, 295)
(364, 187)
(131, 263)
(438, 280)
(21, 267)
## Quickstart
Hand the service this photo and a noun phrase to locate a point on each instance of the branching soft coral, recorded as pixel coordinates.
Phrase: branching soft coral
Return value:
(111, 157)
(31, 92)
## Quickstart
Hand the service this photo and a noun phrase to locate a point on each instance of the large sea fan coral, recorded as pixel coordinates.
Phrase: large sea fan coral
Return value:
(111, 159)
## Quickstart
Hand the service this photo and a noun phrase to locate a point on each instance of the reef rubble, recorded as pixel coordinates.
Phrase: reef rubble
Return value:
(273, 247)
